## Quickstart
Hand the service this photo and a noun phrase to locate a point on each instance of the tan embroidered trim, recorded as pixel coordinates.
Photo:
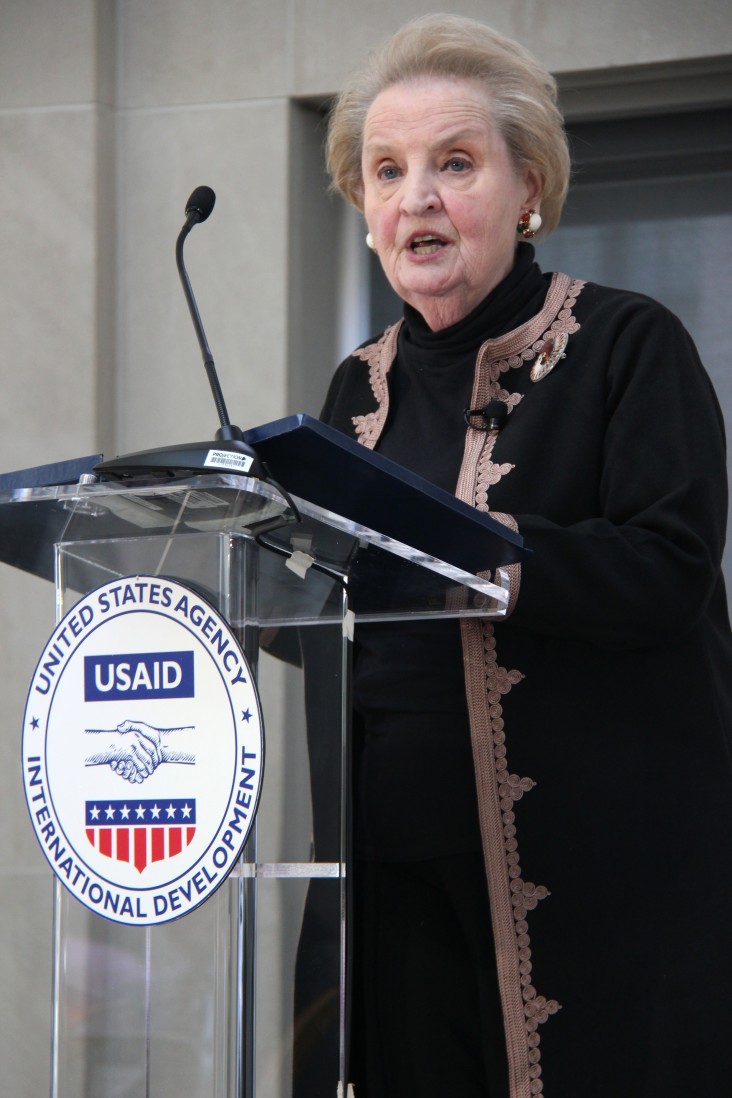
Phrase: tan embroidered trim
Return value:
(495, 358)
(513, 571)
(379, 356)
(511, 896)
(486, 684)
(488, 472)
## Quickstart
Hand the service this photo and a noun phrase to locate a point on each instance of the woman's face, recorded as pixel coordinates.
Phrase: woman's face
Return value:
(441, 195)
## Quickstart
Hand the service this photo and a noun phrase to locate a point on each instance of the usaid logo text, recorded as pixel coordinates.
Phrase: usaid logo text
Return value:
(139, 675)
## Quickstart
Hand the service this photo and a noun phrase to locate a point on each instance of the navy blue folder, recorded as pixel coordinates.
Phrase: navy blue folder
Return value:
(322, 465)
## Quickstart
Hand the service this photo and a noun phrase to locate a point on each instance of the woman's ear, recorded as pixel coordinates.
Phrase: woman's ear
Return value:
(534, 187)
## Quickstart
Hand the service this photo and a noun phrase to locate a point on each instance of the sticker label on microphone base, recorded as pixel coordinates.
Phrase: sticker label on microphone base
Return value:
(227, 459)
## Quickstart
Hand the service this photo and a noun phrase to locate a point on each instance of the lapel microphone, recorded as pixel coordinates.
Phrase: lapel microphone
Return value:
(490, 418)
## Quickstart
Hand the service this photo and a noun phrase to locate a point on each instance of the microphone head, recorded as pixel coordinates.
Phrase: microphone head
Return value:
(490, 418)
(201, 202)
(495, 414)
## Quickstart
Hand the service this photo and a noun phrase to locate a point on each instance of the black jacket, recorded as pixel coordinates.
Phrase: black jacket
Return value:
(602, 708)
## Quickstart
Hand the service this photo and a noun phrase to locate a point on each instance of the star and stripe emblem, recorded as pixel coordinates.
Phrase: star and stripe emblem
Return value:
(140, 832)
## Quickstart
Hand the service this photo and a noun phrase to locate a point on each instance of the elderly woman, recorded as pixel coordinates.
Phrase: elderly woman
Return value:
(543, 833)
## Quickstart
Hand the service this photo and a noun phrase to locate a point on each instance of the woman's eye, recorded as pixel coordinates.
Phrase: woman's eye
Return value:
(456, 164)
(388, 172)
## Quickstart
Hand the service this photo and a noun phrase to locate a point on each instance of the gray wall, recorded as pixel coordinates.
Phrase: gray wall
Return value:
(110, 113)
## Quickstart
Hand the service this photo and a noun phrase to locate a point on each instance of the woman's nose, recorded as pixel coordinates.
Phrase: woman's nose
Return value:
(420, 193)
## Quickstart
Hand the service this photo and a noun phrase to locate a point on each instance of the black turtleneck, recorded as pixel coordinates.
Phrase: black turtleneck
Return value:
(409, 689)
(431, 381)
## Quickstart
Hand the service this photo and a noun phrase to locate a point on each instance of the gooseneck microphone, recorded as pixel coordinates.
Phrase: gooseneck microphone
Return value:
(229, 452)
(198, 209)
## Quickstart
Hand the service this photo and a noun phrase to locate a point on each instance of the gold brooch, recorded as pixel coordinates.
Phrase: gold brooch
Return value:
(549, 356)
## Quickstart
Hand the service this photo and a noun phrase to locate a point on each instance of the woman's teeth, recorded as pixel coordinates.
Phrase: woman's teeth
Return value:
(425, 245)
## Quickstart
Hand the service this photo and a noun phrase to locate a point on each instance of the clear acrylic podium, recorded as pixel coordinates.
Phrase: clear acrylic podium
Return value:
(246, 997)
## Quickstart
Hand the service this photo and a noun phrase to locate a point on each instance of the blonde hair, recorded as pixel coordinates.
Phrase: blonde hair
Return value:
(523, 96)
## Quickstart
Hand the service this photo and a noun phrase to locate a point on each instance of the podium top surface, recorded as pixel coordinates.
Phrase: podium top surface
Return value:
(383, 576)
(400, 543)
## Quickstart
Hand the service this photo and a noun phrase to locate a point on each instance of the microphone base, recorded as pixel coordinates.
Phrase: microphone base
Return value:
(224, 455)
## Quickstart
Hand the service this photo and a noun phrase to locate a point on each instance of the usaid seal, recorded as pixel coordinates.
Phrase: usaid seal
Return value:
(142, 750)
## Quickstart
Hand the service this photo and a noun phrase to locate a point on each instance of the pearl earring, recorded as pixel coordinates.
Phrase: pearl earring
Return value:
(529, 223)
(370, 242)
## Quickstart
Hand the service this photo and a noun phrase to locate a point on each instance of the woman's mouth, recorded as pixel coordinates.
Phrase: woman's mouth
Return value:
(426, 244)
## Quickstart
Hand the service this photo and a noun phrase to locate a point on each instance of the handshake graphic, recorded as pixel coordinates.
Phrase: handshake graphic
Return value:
(134, 750)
